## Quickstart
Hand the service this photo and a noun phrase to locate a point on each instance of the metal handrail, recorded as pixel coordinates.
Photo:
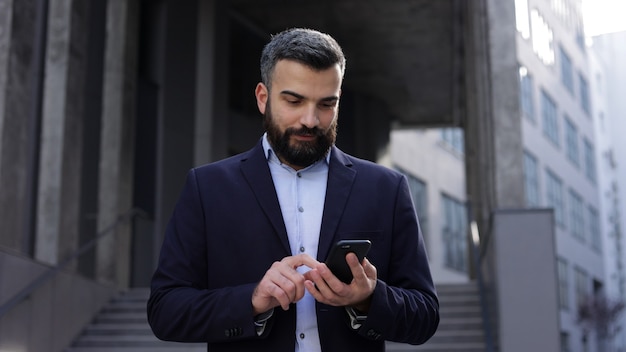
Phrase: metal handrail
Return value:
(475, 240)
(51, 272)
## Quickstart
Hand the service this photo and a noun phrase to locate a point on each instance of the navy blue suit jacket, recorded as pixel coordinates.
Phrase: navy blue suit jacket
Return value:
(227, 230)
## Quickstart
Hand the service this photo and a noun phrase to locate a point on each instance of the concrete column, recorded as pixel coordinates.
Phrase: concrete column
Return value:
(18, 112)
(176, 116)
(220, 128)
(212, 70)
(506, 117)
(205, 81)
(61, 135)
(116, 151)
(493, 135)
(6, 11)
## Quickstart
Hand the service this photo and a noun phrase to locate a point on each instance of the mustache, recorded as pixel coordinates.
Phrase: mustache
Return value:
(304, 131)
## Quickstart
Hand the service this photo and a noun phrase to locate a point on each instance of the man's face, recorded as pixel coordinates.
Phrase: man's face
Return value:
(300, 111)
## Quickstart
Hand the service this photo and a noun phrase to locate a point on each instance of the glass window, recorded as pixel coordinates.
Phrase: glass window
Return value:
(454, 233)
(567, 75)
(584, 94)
(522, 20)
(527, 101)
(419, 195)
(454, 138)
(554, 197)
(531, 180)
(571, 141)
(550, 118)
(565, 343)
(563, 284)
(577, 220)
(594, 229)
(580, 38)
(590, 160)
(582, 282)
(542, 38)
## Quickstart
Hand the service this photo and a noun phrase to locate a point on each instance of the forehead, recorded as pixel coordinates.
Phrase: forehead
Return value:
(295, 76)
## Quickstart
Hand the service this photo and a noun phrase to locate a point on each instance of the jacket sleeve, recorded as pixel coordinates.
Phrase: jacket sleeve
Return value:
(406, 295)
(181, 306)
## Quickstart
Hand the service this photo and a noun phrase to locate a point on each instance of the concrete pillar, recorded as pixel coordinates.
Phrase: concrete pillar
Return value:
(506, 116)
(220, 130)
(19, 82)
(212, 70)
(176, 117)
(61, 135)
(116, 151)
(6, 12)
(493, 135)
(205, 81)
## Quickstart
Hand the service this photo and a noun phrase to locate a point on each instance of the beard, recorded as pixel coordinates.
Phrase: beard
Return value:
(299, 153)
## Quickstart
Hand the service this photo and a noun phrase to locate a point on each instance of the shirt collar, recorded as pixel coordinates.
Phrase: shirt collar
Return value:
(270, 154)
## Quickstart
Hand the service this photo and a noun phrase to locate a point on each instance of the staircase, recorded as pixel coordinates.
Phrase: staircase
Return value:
(122, 326)
(460, 327)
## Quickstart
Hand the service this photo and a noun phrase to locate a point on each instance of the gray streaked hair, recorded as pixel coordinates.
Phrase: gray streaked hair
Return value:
(309, 47)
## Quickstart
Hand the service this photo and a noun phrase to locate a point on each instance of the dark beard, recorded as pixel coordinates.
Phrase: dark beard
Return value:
(302, 154)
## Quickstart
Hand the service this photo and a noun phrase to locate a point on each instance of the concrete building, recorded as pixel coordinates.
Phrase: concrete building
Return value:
(105, 104)
(560, 151)
(434, 162)
(568, 167)
(607, 55)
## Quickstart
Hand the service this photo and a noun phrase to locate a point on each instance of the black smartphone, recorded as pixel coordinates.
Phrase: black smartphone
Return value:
(336, 260)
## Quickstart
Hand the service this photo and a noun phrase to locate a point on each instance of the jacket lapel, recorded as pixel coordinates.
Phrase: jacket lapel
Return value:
(340, 179)
(257, 173)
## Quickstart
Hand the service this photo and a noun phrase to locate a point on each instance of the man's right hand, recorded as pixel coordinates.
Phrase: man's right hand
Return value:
(282, 284)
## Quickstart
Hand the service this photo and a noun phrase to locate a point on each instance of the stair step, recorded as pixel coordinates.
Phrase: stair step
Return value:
(465, 310)
(459, 287)
(117, 329)
(119, 340)
(182, 348)
(122, 326)
(122, 317)
(428, 347)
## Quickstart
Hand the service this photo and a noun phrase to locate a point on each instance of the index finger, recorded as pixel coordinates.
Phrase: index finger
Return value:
(301, 259)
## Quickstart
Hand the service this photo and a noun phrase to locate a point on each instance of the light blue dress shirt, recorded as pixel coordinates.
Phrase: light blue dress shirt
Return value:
(301, 195)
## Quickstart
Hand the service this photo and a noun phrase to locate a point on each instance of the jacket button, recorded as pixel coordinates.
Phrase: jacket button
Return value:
(373, 334)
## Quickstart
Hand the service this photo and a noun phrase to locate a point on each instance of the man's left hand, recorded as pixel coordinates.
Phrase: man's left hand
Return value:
(326, 288)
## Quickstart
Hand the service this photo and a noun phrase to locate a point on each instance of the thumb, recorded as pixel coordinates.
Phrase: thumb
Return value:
(370, 269)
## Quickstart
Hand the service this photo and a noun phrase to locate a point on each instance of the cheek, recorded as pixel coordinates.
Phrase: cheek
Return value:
(286, 118)
(327, 119)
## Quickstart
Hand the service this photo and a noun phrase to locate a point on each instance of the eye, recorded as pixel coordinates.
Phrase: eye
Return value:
(328, 104)
(293, 101)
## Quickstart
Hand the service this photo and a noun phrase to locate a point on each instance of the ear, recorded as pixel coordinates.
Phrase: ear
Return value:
(262, 94)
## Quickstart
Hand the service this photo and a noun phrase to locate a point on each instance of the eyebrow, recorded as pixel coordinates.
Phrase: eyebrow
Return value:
(300, 96)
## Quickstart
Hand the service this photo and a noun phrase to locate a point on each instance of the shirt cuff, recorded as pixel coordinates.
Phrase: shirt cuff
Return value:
(356, 318)
(260, 321)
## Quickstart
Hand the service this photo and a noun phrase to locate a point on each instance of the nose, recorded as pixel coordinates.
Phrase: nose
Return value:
(309, 117)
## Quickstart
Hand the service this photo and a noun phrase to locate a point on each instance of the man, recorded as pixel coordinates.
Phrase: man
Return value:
(241, 265)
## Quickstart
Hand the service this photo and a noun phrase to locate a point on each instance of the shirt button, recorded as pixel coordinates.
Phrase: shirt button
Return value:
(302, 335)
(301, 209)
(301, 249)
(299, 174)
